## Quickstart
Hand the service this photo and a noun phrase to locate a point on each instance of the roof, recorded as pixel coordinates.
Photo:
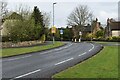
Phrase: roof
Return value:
(115, 25)
(14, 15)
(87, 28)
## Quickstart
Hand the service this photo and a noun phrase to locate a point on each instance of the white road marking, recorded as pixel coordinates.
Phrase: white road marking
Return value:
(18, 58)
(56, 49)
(92, 47)
(64, 61)
(82, 54)
(26, 74)
(45, 52)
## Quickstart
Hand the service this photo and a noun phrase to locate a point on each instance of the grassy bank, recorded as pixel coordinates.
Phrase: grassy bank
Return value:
(17, 51)
(103, 65)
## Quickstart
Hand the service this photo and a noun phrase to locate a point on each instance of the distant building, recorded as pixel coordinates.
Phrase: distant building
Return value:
(87, 29)
(95, 26)
(112, 28)
(11, 20)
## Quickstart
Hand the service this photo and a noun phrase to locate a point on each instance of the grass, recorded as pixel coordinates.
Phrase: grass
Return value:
(17, 51)
(103, 65)
(105, 42)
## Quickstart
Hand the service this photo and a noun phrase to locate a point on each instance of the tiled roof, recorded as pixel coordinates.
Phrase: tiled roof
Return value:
(115, 25)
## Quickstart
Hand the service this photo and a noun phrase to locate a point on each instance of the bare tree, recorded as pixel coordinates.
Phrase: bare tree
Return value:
(23, 10)
(80, 16)
(46, 19)
(3, 10)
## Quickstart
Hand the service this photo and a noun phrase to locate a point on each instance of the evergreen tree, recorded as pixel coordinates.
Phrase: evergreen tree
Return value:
(38, 19)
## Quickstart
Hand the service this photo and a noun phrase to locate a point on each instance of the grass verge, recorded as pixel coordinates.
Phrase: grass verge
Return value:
(103, 65)
(17, 51)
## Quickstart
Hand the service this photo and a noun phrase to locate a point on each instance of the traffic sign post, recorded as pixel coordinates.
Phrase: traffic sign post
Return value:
(53, 31)
(80, 33)
(61, 33)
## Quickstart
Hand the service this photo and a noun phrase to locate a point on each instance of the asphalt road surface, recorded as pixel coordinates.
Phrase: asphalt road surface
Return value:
(45, 64)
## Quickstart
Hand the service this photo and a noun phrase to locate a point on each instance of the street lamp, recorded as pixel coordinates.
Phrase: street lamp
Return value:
(80, 33)
(53, 12)
(53, 21)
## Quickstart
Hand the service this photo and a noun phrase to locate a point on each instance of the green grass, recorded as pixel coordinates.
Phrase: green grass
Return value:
(105, 42)
(103, 65)
(17, 51)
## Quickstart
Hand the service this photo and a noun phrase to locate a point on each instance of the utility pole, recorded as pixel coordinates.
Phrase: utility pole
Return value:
(53, 22)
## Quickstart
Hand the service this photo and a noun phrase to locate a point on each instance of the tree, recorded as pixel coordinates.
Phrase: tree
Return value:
(79, 18)
(3, 10)
(46, 19)
(17, 29)
(100, 34)
(24, 11)
(39, 25)
(68, 34)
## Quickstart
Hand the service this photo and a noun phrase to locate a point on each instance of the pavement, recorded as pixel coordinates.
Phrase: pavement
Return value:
(46, 63)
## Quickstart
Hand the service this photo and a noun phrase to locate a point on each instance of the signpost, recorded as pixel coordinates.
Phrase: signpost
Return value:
(80, 33)
(53, 31)
(61, 33)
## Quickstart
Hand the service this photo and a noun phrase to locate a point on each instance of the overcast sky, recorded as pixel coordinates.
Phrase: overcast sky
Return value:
(102, 9)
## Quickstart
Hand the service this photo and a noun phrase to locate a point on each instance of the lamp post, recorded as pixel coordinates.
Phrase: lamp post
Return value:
(91, 32)
(80, 33)
(53, 22)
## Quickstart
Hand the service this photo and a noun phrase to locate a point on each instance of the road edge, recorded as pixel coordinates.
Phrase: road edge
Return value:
(34, 51)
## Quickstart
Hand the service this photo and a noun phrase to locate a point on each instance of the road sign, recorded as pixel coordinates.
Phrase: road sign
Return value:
(61, 31)
(53, 29)
(80, 33)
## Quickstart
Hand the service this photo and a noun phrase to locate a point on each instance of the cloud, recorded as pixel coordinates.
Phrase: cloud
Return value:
(103, 15)
(101, 10)
(63, 0)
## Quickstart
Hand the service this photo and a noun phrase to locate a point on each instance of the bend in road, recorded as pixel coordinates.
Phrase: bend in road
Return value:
(45, 64)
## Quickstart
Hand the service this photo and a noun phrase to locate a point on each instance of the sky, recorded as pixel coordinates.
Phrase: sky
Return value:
(102, 9)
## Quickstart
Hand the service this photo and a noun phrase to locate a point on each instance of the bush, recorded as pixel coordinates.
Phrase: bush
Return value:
(114, 38)
(43, 38)
(5, 39)
(100, 33)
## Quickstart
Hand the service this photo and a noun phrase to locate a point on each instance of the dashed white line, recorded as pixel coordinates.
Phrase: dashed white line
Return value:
(64, 61)
(92, 47)
(56, 49)
(18, 58)
(26, 74)
(82, 54)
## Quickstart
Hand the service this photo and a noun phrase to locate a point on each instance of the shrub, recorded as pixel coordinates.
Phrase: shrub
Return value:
(114, 38)
(100, 33)
(43, 38)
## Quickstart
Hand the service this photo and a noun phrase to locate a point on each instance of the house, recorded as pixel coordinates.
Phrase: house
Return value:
(87, 29)
(112, 28)
(10, 20)
(95, 26)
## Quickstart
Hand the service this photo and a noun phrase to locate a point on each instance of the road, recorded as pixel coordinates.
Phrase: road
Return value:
(45, 64)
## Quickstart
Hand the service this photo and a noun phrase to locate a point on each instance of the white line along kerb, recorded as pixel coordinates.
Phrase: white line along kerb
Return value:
(64, 61)
(26, 74)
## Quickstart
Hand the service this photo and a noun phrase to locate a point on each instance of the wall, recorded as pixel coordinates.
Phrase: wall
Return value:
(115, 32)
